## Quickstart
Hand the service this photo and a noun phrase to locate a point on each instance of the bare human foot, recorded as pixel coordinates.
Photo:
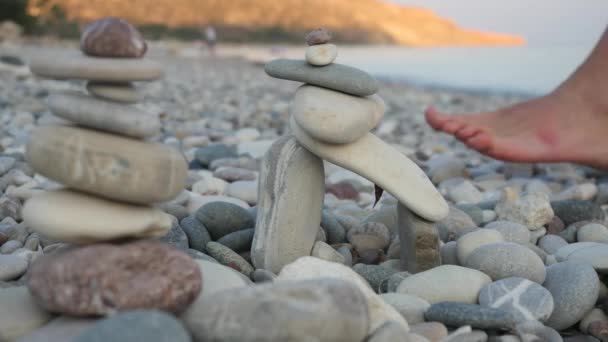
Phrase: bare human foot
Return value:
(568, 125)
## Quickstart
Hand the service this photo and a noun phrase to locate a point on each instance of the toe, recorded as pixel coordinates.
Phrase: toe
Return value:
(452, 126)
(466, 132)
(480, 141)
(435, 118)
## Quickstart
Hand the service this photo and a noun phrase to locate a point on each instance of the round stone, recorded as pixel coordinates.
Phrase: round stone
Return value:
(575, 289)
(321, 55)
(75, 217)
(476, 316)
(230, 258)
(138, 275)
(239, 241)
(592, 232)
(471, 241)
(552, 243)
(311, 310)
(197, 234)
(117, 92)
(370, 235)
(507, 259)
(12, 267)
(137, 325)
(410, 307)
(318, 36)
(222, 218)
(112, 37)
(324, 251)
(572, 211)
(334, 117)
(78, 66)
(107, 165)
(527, 300)
(20, 314)
(511, 231)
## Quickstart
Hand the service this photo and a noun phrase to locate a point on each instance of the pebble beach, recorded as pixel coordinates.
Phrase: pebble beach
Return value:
(520, 253)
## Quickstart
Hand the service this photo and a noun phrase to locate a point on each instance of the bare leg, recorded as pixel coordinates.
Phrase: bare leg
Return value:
(569, 124)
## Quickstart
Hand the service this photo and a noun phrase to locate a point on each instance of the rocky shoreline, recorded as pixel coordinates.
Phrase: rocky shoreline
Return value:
(523, 248)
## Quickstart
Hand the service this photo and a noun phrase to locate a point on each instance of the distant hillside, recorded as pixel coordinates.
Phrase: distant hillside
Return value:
(372, 21)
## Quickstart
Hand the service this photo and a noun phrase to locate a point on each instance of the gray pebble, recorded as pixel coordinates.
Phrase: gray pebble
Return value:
(239, 241)
(222, 218)
(460, 314)
(197, 234)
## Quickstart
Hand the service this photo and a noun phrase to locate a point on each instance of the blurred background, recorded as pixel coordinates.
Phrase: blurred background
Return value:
(517, 46)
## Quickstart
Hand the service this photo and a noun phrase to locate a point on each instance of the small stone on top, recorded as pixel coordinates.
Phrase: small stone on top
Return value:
(318, 36)
(112, 37)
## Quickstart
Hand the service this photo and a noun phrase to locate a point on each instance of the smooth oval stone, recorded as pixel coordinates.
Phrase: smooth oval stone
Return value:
(335, 76)
(324, 251)
(117, 92)
(75, 217)
(511, 231)
(410, 307)
(445, 283)
(137, 325)
(239, 241)
(385, 166)
(551, 243)
(12, 266)
(473, 240)
(334, 117)
(592, 232)
(102, 115)
(506, 259)
(112, 37)
(78, 66)
(197, 234)
(19, 313)
(526, 299)
(321, 54)
(102, 279)
(476, 316)
(107, 165)
(223, 218)
(592, 253)
(575, 288)
(230, 258)
(318, 36)
(308, 310)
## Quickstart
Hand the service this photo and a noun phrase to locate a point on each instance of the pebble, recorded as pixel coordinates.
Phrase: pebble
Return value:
(506, 259)
(103, 115)
(125, 93)
(444, 167)
(318, 36)
(255, 149)
(469, 242)
(410, 307)
(305, 310)
(556, 226)
(465, 192)
(456, 222)
(374, 274)
(10, 246)
(575, 289)
(421, 196)
(137, 325)
(197, 234)
(63, 328)
(240, 162)
(176, 236)
(445, 283)
(449, 253)
(229, 258)
(534, 330)
(370, 235)
(535, 235)
(263, 276)
(112, 37)
(68, 208)
(141, 172)
(527, 300)
(313, 268)
(324, 251)
(321, 54)
(210, 186)
(433, 331)
(511, 231)
(571, 211)
(234, 174)
(333, 228)
(287, 227)
(475, 212)
(460, 314)
(390, 331)
(592, 232)
(591, 253)
(531, 210)
(335, 76)
(551, 243)
(222, 218)
(206, 155)
(20, 314)
(239, 241)
(334, 117)
(244, 190)
(137, 275)
(6, 164)
(419, 241)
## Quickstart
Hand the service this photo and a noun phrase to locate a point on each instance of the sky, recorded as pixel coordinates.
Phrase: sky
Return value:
(541, 22)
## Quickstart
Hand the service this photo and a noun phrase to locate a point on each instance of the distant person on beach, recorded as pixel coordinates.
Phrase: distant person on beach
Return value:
(570, 124)
(211, 38)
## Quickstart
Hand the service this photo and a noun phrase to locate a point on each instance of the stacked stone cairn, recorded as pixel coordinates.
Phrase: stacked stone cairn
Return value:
(112, 178)
(332, 114)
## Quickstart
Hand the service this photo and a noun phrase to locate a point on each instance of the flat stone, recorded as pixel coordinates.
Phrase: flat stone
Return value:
(506, 259)
(138, 275)
(527, 300)
(445, 283)
(334, 117)
(410, 307)
(63, 328)
(12, 267)
(20, 314)
(233, 174)
(318, 36)
(473, 240)
(105, 116)
(239, 241)
(591, 253)
(571, 211)
(372, 158)
(511, 231)
(313, 268)
(117, 92)
(305, 310)
(138, 325)
(287, 225)
(321, 54)
(531, 210)
(575, 289)
(75, 217)
(69, 65)
(460, 314)
(419, 242)
(197, 234)
(334, 76)
(107, 165)
(552, 243)
(222, 218)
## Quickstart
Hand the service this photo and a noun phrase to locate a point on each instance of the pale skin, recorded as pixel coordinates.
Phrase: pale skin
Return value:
(570, 124)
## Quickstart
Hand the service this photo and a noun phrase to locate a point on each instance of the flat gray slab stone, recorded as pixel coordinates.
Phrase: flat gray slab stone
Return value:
(334, 76)
(75, 65)
(104, 115)
(375, 160)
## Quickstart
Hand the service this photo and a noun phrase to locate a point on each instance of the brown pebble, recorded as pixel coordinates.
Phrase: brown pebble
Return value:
(343, 190)
(599, 329)
(318, 36)
(3, 238)
(112, 37)
(104, 279)
(556, 226)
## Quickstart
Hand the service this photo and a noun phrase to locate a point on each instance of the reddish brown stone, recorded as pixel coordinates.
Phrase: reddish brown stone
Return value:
(318, 36)
(103, 279)
(3, 238)
(599, 329)
(112, 37)
(556, 226)
(343, 190)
